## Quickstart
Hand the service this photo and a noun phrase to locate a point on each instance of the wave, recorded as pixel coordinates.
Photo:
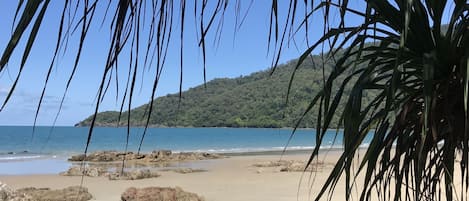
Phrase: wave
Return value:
(24, 156)
(261, 149)
(20, 157)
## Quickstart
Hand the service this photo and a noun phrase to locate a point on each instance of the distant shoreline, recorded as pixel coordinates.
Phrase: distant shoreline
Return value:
(282, 128)
(104, 126)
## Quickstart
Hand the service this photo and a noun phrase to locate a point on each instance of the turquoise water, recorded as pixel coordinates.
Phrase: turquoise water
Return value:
(51, 145)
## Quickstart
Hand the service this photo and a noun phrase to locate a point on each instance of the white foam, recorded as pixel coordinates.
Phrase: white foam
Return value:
(254, 149)
(12, 158)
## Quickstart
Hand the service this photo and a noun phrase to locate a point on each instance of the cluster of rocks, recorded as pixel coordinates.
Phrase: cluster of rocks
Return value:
(159, 194)
(290, 166)
(153, 157)
(132, 174)
(76, 193)
(86, 171)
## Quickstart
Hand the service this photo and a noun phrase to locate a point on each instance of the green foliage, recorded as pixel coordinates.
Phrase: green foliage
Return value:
(256, 100)
(419, 71)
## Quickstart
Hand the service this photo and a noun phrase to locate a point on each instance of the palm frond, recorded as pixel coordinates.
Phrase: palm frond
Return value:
(415, 59)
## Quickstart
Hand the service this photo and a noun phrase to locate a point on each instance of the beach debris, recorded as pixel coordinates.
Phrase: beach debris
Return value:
(44, 194)
(133, 174)
(153, 157)
(291, 166)
(87, 171)
(159, 194)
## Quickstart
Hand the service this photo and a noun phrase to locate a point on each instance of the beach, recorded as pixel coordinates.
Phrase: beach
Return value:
(229, 179)
(242, 175)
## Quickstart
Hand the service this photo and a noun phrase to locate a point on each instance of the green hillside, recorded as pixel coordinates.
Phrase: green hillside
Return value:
(256, 100)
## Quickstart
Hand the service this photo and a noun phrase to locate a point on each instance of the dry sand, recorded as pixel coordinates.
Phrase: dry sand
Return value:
(230, 179)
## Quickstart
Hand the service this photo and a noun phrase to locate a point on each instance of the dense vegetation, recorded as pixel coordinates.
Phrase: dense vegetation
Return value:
(256, 100)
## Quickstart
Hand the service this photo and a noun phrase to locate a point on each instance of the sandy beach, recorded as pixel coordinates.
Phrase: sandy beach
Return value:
(230, 179)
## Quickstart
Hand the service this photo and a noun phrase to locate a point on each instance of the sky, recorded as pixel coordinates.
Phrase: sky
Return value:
(239, 53)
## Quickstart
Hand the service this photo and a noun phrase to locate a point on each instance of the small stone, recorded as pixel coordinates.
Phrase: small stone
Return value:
(260, 170)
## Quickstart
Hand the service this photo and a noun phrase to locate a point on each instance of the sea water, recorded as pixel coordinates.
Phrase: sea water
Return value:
(47, 148)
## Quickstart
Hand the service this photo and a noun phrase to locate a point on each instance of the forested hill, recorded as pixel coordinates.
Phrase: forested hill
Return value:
(256, 100)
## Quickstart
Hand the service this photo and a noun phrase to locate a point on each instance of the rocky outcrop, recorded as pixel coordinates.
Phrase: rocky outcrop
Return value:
(92, 171)
(106, 156)
(290, 166)
(86, 171)
(133, 175)
(159, 194)
(44, 194)
(160, 156)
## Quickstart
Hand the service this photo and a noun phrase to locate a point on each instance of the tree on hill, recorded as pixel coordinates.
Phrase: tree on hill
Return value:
(418, 69)
(256, 100)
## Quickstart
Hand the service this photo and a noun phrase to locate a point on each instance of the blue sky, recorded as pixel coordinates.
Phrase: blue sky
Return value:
(237, 54)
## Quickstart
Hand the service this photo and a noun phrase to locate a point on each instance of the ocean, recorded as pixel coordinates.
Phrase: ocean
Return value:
(47, 148)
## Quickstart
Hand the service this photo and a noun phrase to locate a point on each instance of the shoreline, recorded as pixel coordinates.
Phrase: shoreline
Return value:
(54, 164)
(228, 179)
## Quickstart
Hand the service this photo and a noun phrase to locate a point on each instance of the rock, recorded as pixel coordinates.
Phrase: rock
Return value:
(187, 170)
(188, 156)
(155, 156)
(89, 171)
(278, 163)
(72, 171)
(79, 157)
(103, 156)
(159, 194)
(75, 193)
(5, 192)
(160, 155)
(260, 170)
(163, 153)
(133, 175)
(95, 172)
(291, 166)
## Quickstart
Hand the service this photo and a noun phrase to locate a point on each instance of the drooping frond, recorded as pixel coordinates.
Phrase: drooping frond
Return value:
(407, 52)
